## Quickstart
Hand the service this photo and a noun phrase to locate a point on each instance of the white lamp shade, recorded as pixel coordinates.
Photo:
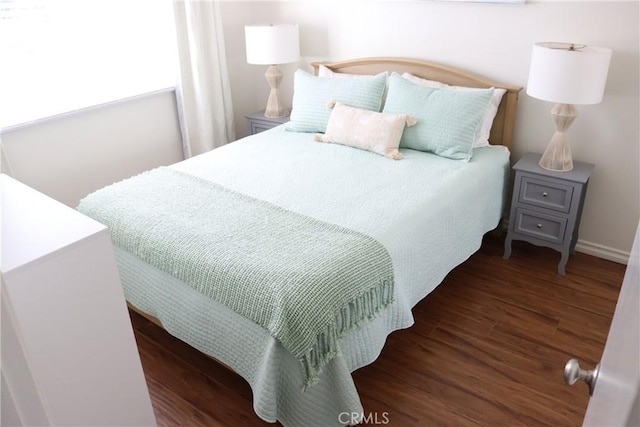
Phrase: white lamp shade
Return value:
(561, 75)
(272, 44)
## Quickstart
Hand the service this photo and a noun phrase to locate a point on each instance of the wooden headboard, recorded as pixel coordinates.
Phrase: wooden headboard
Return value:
(503, 124)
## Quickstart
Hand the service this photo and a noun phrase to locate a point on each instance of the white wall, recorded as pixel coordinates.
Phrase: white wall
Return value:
(69, 156)
(490, 40)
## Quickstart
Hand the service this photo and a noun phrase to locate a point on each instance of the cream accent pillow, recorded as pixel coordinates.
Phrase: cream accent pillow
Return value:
(487, 121)
(367, 130)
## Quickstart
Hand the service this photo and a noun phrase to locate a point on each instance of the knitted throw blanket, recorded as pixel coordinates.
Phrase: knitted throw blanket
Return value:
(306, 281)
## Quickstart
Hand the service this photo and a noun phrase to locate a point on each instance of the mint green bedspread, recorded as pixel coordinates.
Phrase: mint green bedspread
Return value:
(304, 280)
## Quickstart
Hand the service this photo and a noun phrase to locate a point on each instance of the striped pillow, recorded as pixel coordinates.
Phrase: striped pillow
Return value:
(448, 121)
(311, 94)
(489, 115)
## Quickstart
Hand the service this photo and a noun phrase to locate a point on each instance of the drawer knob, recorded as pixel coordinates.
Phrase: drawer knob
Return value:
(539, 225)
(545, 194)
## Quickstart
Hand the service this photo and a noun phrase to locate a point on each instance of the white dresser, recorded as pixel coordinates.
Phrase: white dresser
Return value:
(69, 355)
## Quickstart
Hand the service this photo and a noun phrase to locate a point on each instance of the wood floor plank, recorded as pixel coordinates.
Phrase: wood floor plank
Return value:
(505, 366)
(169, 408)
(404, 404)
(539, 299)
(216, 401)
(460, 379)
(487, 348)
(198, 360)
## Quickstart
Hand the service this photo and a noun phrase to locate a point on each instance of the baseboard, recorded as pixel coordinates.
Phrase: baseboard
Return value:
(590, 248)
(601, 251)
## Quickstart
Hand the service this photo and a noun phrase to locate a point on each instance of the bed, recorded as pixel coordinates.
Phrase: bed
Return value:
(391, 229)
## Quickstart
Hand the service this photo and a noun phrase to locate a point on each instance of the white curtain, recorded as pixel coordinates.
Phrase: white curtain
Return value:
(203, 92)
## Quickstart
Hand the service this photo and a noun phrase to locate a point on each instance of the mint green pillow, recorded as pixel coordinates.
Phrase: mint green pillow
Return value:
(448, 121)
(311, 94)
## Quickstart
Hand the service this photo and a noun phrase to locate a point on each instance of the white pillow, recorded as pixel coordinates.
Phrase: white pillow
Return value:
(365, 129)
(487, 121)
(324, 71)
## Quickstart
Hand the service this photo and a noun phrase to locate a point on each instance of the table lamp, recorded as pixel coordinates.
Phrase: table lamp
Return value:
(272, 45)
(568, 74)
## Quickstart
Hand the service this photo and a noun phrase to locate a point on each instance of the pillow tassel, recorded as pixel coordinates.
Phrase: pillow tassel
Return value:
(395, 155)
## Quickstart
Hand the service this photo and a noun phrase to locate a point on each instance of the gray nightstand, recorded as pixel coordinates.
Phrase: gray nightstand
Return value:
(546, 206)
(258, 122)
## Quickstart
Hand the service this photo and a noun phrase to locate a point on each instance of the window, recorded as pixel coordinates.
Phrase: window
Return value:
(63, 55)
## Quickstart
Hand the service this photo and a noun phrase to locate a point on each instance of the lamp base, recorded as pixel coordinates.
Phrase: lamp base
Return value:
(557, 156)
(274, 108)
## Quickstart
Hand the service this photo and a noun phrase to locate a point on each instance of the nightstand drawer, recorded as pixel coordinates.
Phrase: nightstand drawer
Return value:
(541, 226)
(259, 123)
(546, 194)
(260, 127)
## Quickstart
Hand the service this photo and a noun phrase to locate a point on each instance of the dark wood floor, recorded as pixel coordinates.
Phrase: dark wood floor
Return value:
(488, 348)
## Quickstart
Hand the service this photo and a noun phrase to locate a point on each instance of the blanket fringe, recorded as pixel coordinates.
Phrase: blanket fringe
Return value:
(363, 308)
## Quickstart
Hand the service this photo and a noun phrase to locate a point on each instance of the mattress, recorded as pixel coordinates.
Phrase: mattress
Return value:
(429, 212)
